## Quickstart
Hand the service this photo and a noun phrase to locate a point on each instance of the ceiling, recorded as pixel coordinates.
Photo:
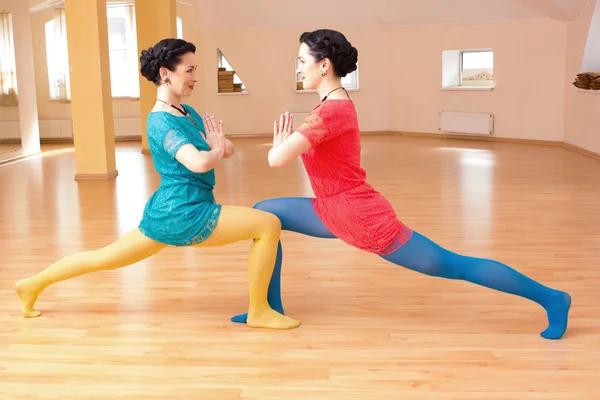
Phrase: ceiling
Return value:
(227, 14)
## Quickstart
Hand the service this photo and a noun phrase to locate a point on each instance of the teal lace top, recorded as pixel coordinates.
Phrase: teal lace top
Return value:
(182, 211)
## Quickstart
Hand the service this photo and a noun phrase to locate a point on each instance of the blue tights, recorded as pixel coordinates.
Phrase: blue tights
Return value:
(422, 255)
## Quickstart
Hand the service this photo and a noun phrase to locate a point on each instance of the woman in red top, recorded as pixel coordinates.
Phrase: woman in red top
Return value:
(347, 207)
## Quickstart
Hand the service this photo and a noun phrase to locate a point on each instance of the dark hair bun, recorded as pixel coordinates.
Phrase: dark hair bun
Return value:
(327, 43)
(150, 65)
(348, 61)
(166, 53)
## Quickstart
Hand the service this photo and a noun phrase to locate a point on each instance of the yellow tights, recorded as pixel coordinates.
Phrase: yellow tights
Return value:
(235, 224)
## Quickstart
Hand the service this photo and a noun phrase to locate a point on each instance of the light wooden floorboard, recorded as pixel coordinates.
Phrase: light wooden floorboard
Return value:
(160, 329)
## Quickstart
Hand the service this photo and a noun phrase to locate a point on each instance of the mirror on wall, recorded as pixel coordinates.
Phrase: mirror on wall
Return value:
(10, 130)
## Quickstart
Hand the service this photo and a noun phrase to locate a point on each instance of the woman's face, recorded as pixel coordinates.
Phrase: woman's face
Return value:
(309, 70)
(183, 79)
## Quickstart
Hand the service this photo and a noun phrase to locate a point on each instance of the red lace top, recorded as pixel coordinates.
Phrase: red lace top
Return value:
(348, 206)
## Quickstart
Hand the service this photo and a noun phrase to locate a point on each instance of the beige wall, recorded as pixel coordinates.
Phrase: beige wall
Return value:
(529, 68)
(399, 77)
(582, 108)
(265, 61)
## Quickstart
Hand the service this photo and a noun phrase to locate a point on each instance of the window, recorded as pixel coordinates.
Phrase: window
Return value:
(228, 80)
(8, 70)
(57, 56)
(477, 68)
(350, 81)
(122, 46)
(179, 28)
(468, 68)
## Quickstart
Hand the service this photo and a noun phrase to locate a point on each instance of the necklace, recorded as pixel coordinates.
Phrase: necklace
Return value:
(341, 87)
(185, 112)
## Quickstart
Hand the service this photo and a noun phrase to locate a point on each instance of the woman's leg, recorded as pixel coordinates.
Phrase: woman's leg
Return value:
(128, 249)
(297, 215)
(422, 255)
(242, 223)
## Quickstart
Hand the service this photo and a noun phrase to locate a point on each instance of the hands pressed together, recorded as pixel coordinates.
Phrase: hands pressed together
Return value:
(283, 129)
(215, 136)
(221, 147)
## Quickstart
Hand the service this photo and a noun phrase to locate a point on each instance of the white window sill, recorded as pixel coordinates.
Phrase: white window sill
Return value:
(587, 90)
(467, 88)
(234, 94)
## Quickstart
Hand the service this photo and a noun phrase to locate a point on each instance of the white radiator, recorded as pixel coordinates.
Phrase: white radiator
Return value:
(63, 128)
(467, 123)
(53, 129)
(125, 127)
(10, 130)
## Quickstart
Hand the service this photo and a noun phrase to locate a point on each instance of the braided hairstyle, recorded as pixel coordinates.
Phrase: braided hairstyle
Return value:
(327, 43)
(166, 53)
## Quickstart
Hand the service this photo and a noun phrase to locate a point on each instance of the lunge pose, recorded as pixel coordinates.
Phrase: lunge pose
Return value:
(347, 207)
(185, 149)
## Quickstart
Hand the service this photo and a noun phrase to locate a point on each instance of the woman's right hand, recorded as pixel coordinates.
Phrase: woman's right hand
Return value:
(215, 137)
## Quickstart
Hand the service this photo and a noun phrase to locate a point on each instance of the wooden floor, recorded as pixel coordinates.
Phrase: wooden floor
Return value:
(160, 329)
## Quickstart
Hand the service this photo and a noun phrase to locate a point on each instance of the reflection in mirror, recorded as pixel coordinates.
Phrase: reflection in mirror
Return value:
(10, 131)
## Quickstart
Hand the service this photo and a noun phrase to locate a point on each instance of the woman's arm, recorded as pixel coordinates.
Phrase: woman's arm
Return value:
(204, 161)
(199, 161)
(288, 150)
(287, 144)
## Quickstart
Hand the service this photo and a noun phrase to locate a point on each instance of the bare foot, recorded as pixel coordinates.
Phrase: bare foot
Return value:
(269, 318)
(28, 296)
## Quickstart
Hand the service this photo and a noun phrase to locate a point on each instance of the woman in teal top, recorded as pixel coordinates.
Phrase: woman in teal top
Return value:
(182, 212)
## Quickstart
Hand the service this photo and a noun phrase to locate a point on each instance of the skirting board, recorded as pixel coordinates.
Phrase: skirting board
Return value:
(567, 146)
(433, 136)
(10, 141)
(95, 177)
(399, 133)
(579, 150)
(17, 158)
(270, 135)
(55, 140)
(478, 138)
